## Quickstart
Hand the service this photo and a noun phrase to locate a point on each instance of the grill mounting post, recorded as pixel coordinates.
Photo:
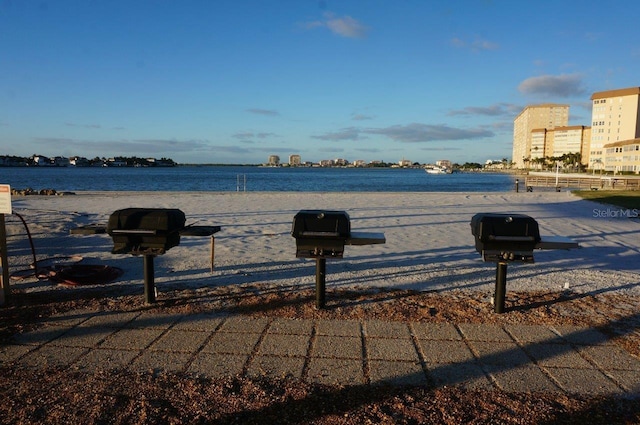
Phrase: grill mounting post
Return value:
(322, 234)
(501, 287)
(321, 279)
(147, 232)
(509, 238)
(149, 280)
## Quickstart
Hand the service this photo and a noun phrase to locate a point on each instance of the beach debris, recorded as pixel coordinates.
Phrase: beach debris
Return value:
(81, 274)
(44, 192)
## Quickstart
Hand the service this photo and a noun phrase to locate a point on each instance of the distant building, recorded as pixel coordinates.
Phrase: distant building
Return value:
(615, 117)
(78, 161)
(611, 143)
(274, 160)
(41, 160)
(112, 162)
(539, 145)
(559, 141)
(623, 156)
(295, 160)
(495, 164)
(162, 162)
(61, 161)
(13, 161)
(359, 163)
(44, 161)
(404, 163)
(535, 117)
(445, 163)
(572, 139)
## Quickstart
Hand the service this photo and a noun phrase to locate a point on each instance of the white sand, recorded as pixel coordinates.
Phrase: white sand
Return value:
(429, 242)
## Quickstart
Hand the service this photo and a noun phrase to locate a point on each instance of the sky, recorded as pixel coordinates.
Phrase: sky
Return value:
(235, 81)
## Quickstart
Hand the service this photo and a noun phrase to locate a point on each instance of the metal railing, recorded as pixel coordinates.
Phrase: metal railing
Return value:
(608, 182)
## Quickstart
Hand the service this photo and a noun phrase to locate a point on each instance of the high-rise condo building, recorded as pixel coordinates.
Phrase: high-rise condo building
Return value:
(558, 142)
(274, 160)
(295, 160)
(615, 118)
(535, 117)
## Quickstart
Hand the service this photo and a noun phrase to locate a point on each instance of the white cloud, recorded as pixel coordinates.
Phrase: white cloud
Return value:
(411, 133)
(497, 109)
(476, 45)
(243, 135)
(361, 117)
(124, 146)
(440, 149)
(351, 133)
(70, 124)
(565, 85)
(344, 26)
(267, 112)
(417, 132)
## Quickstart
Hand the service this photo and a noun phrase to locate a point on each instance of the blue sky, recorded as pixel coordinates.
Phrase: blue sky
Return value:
(234, 81)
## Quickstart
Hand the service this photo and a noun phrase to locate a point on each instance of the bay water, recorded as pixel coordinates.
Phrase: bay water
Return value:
(250, 178)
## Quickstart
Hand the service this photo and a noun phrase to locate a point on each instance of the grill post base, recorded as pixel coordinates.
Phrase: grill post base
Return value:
(321, 276)
(501, 287)
(149, 283)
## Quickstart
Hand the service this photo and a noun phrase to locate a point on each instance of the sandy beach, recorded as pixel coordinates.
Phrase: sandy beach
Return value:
(429, 245)
(245, 343)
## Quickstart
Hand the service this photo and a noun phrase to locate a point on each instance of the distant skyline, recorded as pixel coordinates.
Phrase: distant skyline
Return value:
(235, 81)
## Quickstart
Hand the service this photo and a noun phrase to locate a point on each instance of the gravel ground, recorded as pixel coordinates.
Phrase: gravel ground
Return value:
(64, 396)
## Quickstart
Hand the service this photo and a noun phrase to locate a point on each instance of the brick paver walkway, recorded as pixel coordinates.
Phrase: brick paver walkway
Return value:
(511, 357)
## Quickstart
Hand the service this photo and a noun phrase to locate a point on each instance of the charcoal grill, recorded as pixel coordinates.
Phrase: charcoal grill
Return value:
(509, 238)
(322, 235)
(147, 232)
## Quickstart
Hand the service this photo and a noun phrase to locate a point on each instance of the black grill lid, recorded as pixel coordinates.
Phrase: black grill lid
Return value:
(145, 231)
(506, 228)
(321, 223)
(161, 220)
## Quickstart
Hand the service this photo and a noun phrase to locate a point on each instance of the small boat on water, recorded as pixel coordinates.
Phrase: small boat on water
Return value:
(435, 169)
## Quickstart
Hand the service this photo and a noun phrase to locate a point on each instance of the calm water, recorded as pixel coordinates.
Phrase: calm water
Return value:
(258, 179)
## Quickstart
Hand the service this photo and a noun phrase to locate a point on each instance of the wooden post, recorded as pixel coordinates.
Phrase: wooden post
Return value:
(5, 290)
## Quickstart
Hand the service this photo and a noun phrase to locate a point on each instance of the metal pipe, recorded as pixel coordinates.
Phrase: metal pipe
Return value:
(33, 248)
(5, 290)
(321, 275)
(501, 287)
(149, 284)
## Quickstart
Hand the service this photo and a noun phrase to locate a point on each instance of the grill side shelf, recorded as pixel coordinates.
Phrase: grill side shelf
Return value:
(321, 234)
(134, 232)
(557, 242)
(512, 238)
(366, 238)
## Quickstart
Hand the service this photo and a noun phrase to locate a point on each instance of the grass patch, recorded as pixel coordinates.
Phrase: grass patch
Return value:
(620, 198)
